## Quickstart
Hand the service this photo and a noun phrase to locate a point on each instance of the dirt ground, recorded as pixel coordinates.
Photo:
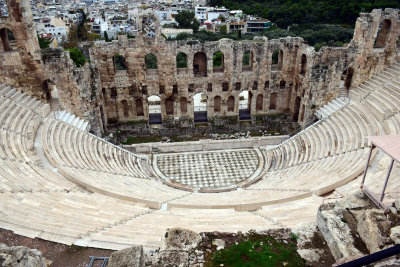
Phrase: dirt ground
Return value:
(60, 255)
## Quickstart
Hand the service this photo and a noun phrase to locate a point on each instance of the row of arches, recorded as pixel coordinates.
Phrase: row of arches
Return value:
(200, 102)
(200, 62)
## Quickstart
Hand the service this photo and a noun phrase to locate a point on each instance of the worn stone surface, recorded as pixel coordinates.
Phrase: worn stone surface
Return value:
(336, 233)
(354, 201)
(298, 83)
(21, 257)
(180, 239)
(129, 257)
(395, 234)
(369, 230)
(310, 255)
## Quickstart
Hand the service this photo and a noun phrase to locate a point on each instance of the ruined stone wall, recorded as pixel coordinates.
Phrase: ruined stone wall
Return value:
(301, 85)
(283, 75)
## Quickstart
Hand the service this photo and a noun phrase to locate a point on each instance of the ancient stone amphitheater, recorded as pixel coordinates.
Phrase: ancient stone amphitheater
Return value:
(61, 183)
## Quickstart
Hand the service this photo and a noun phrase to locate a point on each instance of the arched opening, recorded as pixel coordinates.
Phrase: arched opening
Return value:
(266, 85)
(119, 62)
(150, 61)
(7, 39)
(200, 107)
(181, 61)
(272, 101)
(349, 78)
(282, 84)
(231, 103)
(46, 90)
(259, 102)
(247, 61)
(303, 64)
(383, 32)
(296, 109)
(244, 105)
(169, 106)
(139, 107)
(303, 107)
(183, 105)
(218, 61)
(154, 109)
(217, 104)
(149, 26)
(280, 59)
(125, 108)
(275, 59)
(200, 64)
(102, 115)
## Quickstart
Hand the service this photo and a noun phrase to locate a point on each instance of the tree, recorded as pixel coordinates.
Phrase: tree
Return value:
(186, 20)
(222, 29)
(222, 18)
(77, 56)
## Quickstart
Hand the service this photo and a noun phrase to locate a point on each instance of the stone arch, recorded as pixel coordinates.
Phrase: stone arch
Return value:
(200, 64)
(7, 38)
(151, 61)
(259, 102)
(266, 85)
(139, 107)
(296, 109)
(231, 103)
(383, 32)
(280, 59)
(119, 62)
(46, 88)
(181, 60)
(303, 64)
(282, 84)
(217, 103)
(169, 106)
(200, 107)
(154, 109)
(275, 58)
(183, 105)
(349, 78)
(273, 101)
(244, 105)
(247, 60)
(125, 108)
(218, 61)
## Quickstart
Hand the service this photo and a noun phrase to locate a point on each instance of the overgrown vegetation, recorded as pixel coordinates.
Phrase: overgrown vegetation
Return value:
(43, 43)
(258, 250)
(181, 60)
(77, 56)
(151, 61)
(119, 62)
(287, 12)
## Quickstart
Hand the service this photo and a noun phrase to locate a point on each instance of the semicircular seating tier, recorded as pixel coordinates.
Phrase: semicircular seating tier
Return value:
(60, 183)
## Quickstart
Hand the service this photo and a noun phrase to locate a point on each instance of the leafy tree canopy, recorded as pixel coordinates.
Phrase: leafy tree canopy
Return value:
(187, 20)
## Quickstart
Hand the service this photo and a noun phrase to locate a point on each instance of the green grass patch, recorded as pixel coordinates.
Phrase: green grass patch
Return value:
(258, 250)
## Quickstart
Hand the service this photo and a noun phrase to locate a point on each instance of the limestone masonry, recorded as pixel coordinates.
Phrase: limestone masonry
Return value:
(281, 76)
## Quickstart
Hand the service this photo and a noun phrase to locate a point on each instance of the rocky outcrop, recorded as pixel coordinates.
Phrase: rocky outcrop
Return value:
(21, 257)
(180, 239)
(129, 257)
(336, 232)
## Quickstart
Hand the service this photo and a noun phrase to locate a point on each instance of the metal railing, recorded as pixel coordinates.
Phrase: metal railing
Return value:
(374, 257)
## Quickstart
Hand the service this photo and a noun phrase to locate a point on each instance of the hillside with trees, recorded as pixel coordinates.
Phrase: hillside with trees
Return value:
(287, 12)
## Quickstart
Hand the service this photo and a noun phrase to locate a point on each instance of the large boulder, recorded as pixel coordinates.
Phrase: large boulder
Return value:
(180, 239)
(370, 223)
(336, 232)
(129, 257)
(21, 257)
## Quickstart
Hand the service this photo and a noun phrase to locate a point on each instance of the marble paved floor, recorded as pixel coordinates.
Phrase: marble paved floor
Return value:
(210, 169)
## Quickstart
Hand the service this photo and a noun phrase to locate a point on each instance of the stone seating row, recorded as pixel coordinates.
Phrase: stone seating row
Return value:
(344, 131)
(63, 217)
(392, 124)
(377, 81)
(147, 191)
(67, 146)
(149, 228)
(319, 176)
(20, 176)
